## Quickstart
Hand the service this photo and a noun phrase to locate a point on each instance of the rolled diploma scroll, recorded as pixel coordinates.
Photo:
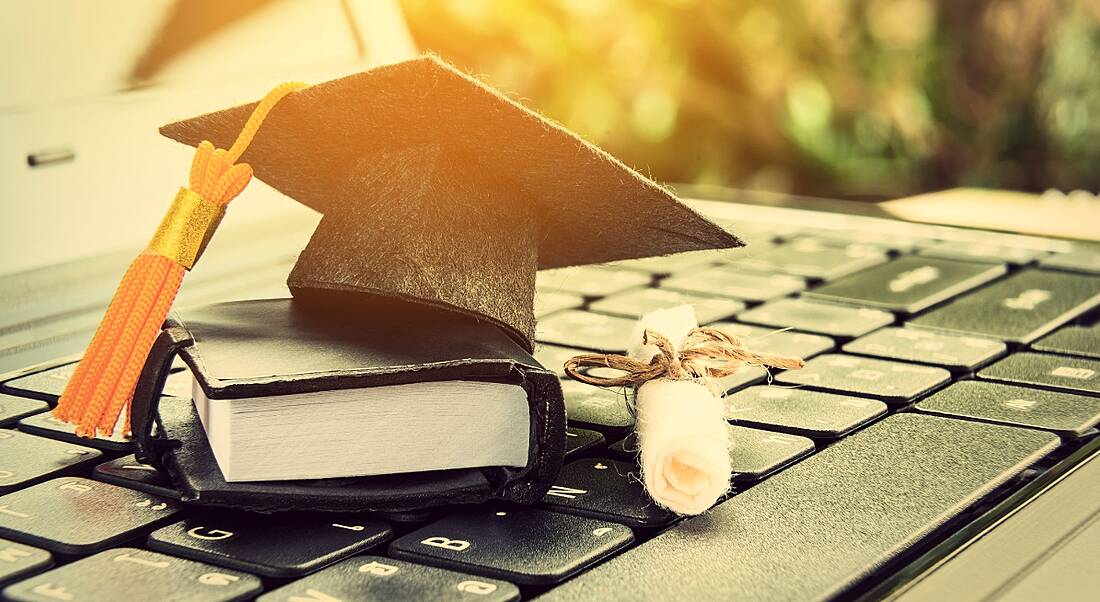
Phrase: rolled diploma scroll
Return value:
(681, 426)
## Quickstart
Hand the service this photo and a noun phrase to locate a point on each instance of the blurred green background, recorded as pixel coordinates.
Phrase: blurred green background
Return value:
(846, 98)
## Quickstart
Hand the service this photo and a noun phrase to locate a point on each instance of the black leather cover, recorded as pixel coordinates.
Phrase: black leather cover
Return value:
(283, 346)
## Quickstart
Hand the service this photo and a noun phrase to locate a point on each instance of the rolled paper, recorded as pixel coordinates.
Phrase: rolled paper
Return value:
(680, 424)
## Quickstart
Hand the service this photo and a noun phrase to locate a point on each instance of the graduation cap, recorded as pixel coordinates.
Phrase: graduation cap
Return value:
(439, 190)
(436, 190)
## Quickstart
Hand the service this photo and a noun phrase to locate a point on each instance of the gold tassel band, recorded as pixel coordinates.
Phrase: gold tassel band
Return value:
(186, 228)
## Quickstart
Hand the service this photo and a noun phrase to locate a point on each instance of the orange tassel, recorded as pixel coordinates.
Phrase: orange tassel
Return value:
(101, 388)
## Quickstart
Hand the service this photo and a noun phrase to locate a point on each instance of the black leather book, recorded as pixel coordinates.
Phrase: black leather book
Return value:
(250, 350)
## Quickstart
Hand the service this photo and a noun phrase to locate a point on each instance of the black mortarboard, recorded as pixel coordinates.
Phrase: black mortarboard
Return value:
(439, 190)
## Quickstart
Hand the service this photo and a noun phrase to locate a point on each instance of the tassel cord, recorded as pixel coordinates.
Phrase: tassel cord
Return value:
(103, 384)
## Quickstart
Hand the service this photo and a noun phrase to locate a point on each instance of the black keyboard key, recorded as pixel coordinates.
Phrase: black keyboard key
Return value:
(590, 280)
(521, 545)
(18, 560)
(380, 578)
(46, 425)
(133, 574)
(816, 529)
(27, 459)
(1086, 261)
(780, 342)
(987, 251)
(902, 242)
(956, 353)
(814, 259)
(47, 385)
(587, 330)
(553, 358)
(72, 515)
(908, 284)
(548, 302)
(13, 408)
(1072, 340)
(725, 281)
(1063, 413)
(282, 545)
(670, 264)
(819, 318)
(597, 409)
(746, 376)
(1075, 375)
(801, 411)
(625, 449)
(1018, 309)
(582, 442)
(608, 490)
(755, 453)
(756, 232)
(633, 304)
(892, 382)
(128, 472)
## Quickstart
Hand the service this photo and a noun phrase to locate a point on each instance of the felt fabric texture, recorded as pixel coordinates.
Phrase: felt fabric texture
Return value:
(437, 189)
(681, 426)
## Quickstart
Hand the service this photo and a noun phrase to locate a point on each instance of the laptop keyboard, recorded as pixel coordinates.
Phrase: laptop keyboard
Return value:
(945, 369)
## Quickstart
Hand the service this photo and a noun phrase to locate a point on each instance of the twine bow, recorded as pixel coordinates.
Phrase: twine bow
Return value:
(707, 353)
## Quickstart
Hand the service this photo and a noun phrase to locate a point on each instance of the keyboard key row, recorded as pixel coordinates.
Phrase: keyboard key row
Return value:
(862, 502)
(73, 515)
(521, 545)
(670, 264)
(276, 545)
(1066, 414)
(13, 408)
(548, 302)
(801, 411)
(27, 459)
(1086, 261)
(18, 560)
(48, 385)
(123, 573)
(608, 490)
(586, 330)
(582, 442)
(128, 472)
(597, 409)
(754, 453)
(1058, 372)
(589, 280)
(379, 578)
(956, 353)
(1018, 309)
(633, 304)
(46, 425)
(779, 342)
(726, 282)
(982, 251)
(813, 259)
(891, 382)
(819, 318)
(1072, 340)
(908, 285)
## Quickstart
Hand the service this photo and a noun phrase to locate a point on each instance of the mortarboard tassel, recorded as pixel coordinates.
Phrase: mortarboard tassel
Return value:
(104, 381)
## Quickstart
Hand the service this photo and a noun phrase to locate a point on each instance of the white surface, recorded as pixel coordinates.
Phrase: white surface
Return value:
(372, 431)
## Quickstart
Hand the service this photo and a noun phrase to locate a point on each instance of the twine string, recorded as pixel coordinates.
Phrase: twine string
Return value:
(706, 353)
